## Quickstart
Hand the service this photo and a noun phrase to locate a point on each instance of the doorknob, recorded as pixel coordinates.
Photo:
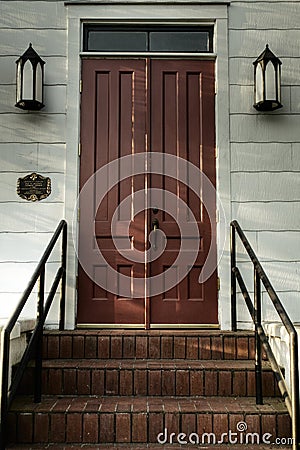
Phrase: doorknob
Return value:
(155, 226)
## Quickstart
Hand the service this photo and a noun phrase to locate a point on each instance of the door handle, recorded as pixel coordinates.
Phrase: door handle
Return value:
(155, 226)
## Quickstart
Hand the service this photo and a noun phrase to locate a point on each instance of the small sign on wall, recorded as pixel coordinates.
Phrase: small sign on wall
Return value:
(34, 187)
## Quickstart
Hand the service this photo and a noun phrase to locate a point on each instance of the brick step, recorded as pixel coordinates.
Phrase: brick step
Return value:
(140, 447)
(148, 344)
(149, 377)
(139, 420)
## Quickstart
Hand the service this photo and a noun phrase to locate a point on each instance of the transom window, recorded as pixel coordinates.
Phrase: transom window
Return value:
(143, 38)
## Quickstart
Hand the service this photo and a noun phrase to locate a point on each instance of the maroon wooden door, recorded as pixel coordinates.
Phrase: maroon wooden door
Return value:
(137, 106)
(182, 124)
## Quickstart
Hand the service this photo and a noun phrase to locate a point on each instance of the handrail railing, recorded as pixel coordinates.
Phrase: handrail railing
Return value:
(291, 396)
(35, 343)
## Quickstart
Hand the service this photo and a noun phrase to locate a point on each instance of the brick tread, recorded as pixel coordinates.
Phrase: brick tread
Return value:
(152, 344)
(138, 447)
(226, 405)
(153, 332)
(152, 365)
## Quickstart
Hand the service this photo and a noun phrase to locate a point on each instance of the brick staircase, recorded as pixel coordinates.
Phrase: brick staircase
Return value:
(120, 389)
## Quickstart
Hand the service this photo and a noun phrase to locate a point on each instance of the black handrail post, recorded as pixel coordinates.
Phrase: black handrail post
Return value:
(257, 319)
(39, 344)
(295, 390)
(63, 279)
(233, 279)
(4, 389)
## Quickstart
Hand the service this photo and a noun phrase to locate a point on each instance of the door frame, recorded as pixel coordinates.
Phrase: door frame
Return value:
(123, 13)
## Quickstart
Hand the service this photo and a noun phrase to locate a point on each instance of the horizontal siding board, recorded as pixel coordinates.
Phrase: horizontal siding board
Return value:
(32, 14)
(242, 99)
(273, 216)
(241, 71)
(252, 42)
(284, 276)
(9, 301)
(280, 246)
(55, 99)
(51, 157)
(256, 15)
(46, 42)
(16, 276)
(32, 127)
(26, 247)
(18, 157)
(265, 186)
(8, 188)
(264, 128)
(31, 217)
(290, 301)
(55, 70)
(256, 157)
(296, 156)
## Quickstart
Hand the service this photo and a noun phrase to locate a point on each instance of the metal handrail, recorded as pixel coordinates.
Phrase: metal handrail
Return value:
(291, 397)
(34, 346)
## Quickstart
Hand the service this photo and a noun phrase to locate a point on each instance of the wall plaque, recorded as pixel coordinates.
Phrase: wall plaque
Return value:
(34, 187)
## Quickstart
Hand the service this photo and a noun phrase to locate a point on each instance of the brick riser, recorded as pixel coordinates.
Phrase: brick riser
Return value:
(108, 420)
(148, 345)
(142, 378)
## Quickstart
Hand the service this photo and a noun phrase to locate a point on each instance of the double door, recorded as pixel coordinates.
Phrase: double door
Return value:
(141, 119)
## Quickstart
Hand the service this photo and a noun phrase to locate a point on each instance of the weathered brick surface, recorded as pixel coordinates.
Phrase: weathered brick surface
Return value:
(111, 390)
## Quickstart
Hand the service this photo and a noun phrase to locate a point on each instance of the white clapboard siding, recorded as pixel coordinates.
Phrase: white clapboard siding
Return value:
(33, 14)
(265, 186)
(26, 247)
(258, 157)
(263, 16)
(265, 128)
(36, 127)
(45, 42)
(19, 157)
(296, 155)
(279, 246)
(252, 42)
(267, 216)
(31, 217)
(284, 276)
(16, 276)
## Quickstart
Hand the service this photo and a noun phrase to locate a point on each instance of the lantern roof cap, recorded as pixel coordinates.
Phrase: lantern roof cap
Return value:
(30, 54)
(267, 55)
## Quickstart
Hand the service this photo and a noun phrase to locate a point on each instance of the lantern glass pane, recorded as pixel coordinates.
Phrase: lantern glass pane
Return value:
(270, 82)
(279, 83)
(27, 81)
(39, 84)
(259, 82)
(19, 82)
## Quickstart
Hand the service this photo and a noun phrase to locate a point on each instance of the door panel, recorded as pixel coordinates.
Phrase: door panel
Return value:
(182, 124)
(113, 121)
(172, 103)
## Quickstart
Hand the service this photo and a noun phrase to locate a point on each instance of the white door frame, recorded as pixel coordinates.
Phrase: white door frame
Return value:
(181, 12)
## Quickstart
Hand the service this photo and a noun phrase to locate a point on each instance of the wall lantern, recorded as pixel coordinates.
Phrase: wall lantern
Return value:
(30, 81)
(267, 68)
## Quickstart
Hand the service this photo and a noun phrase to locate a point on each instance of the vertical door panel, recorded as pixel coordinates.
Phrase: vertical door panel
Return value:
(182, 124)
(113, 124)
